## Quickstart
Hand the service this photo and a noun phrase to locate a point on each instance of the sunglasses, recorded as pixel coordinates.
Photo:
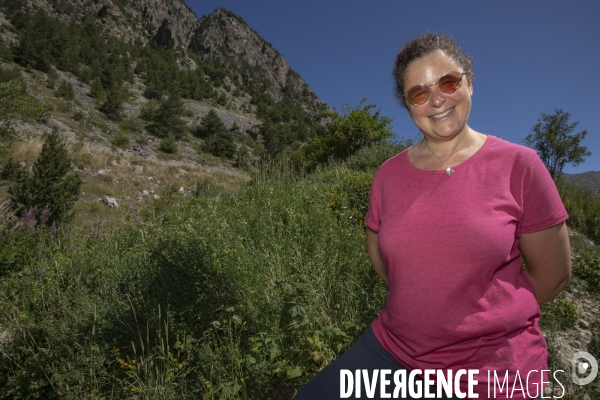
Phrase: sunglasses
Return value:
(448, 84)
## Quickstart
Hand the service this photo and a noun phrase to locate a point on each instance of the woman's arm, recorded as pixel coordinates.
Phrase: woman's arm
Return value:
(547, 257)
(375, 254)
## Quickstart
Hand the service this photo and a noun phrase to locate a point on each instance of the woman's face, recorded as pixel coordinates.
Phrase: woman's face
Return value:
(443, 116)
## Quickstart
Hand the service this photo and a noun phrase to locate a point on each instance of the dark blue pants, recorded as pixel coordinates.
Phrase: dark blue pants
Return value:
(366, 354)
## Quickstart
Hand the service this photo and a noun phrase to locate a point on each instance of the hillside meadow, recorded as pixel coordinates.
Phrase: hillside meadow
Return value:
(230, 296)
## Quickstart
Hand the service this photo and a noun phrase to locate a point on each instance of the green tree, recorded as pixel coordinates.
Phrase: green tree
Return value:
(555, 142)
(218, 140)
(347, 133)
(113, 104)
(166, 119)
(50, 190)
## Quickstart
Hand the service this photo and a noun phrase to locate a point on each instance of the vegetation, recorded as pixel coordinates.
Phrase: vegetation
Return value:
(555, 143)
(165, 119)
(14, 103)
(347, 133)
(217, 138)
(49, 192)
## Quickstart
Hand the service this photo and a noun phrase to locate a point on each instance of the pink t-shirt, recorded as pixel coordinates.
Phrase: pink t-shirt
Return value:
(458, 297)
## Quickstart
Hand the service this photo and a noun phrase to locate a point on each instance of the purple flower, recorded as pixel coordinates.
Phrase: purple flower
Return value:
(137, 219)
(45, 211)
(29, 214)
(37, 255)
(53, 226)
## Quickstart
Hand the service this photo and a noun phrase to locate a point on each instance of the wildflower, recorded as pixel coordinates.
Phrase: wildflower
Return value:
(29, 214)
(137, 219)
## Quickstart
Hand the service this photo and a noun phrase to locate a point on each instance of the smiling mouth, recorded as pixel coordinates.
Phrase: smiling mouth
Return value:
(442, 115)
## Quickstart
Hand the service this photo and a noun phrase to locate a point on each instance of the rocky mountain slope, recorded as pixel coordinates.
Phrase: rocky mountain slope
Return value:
(215, 63)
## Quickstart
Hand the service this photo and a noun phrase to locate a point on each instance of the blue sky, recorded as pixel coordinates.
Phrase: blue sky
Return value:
(531, 57)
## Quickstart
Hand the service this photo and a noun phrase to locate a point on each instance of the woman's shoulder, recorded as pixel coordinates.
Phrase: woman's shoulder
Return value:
(509, 151)
(392, 164)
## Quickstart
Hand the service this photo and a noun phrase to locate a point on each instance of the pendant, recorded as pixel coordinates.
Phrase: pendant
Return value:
(449, 171)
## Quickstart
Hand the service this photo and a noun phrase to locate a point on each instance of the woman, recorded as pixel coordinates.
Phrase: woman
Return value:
(448, 221)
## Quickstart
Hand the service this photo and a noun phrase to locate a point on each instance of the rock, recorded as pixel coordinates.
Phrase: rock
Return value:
(139, 170)
(5, 337)
(145, 193)
(155, 197)
(114, 163)
(164, 34)
(110, 201)
(181, 190)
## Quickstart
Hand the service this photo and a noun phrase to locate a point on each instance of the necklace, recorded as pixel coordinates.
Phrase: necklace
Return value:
(449, 170)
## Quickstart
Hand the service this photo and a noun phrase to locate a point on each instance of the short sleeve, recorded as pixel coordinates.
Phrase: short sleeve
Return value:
(373, 217)
(542, 206)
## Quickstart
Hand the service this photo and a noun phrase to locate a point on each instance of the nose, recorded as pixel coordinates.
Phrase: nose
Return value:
(436, 96)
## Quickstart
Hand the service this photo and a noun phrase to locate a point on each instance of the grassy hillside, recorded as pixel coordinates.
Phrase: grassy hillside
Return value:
(231, 296)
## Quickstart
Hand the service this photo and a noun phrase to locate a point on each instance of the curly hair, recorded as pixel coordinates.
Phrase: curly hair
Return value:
(421, 46)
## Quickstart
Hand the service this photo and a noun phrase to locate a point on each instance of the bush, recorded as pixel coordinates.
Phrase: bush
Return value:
(559, 314)
(168, 145)
(120, 140)
(65, 90)
(583, 207)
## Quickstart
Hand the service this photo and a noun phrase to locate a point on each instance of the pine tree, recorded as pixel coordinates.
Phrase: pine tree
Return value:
(166, 120)
(209, 125)
(218, 140)
(49, 189)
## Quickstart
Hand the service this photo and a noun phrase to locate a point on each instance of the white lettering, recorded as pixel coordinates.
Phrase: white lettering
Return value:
(412, 384)
(429, 383)
(472, 383)
(400, 384)
(517, 377)
(557, 381)
(443, 383)
(537, 389)
(346, 376)
(370, 385)
(542, 383)
(384, 382)
(496, 381)
(459, 394)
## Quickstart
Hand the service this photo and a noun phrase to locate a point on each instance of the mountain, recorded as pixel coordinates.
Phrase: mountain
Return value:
(129, 84)
(120, 54)
(589, 180)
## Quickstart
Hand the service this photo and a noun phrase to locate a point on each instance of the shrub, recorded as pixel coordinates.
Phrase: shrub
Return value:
(168, 145)
(120, 140)
(65, 90)
(583, 207)
(559, 314)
